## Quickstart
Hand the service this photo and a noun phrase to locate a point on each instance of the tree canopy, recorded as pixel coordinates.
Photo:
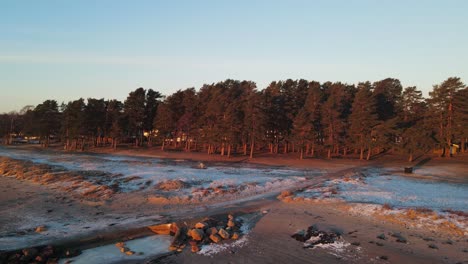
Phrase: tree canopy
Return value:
(312, 119)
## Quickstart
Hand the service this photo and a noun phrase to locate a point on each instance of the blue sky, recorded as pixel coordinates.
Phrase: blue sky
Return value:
(65, 50)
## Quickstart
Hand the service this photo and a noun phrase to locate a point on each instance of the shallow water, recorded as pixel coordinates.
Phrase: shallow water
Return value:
(143, 248)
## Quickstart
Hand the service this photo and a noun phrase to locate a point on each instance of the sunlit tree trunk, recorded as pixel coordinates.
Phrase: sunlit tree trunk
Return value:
(252, 148)
(369, 151)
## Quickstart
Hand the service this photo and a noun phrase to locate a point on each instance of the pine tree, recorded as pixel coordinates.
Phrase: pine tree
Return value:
(460, 106)
(302, 129)
(363, 119)
(134, 109)
(441, 104)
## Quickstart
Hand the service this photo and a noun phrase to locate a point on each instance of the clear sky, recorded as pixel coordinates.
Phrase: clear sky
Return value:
(65, 50)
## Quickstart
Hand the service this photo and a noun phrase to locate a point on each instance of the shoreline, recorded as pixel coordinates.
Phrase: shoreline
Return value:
(269, 241)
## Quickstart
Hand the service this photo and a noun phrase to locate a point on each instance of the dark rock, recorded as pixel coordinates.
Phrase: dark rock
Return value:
(433, 246)
(448, 242)
(211, 231)
(300, 236)
(69, 253)
(210, 222)
(399, 238)
(355, 243)
(382, 236)
(52, 261)
(30, 252)
(47, 252)
(179, 238)
(197, 234)
(383, 257)
(313, 236)
(14, 258)
(215, 238)
(379, 244)
(223, 233)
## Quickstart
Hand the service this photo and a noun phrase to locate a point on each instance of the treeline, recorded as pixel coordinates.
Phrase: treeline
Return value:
(310, 118)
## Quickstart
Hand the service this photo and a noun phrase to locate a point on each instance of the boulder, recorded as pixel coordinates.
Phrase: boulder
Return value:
(179, 239)
(211, 231)
(69, 253)
(120, 244)
(215, 238)
(197, 234)
(52, 261)
(300, 236)
(30, 252)
(195, 248)
(223, 233)
(231, 223)
(210, 221)
(164, 229)
(235, 236)
(124, 249)
(41, 228)
(201, 225)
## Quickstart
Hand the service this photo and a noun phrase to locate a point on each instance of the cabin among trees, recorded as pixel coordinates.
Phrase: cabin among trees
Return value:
(231, 117)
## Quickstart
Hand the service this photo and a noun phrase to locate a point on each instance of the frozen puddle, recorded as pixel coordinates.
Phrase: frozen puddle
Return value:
(380, 187)
(405, 192)
(143, 247)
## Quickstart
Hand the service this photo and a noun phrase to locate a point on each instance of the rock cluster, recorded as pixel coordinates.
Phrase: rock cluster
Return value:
(125, 250)
(313, 236)
(44, 254)
(204, 232)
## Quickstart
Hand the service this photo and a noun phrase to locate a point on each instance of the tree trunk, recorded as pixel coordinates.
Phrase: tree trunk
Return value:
(244, 149)
(252, 148)
(222, 149)
(369, 151)
(361, 155)
(410, 159)
(329, 153)
(229, 151)
(302, 154)
(162, 145)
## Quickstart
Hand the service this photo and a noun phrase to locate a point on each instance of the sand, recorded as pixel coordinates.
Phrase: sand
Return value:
(24, 205)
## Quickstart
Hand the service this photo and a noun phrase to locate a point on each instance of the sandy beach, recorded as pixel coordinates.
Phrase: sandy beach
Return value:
(368, 232)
